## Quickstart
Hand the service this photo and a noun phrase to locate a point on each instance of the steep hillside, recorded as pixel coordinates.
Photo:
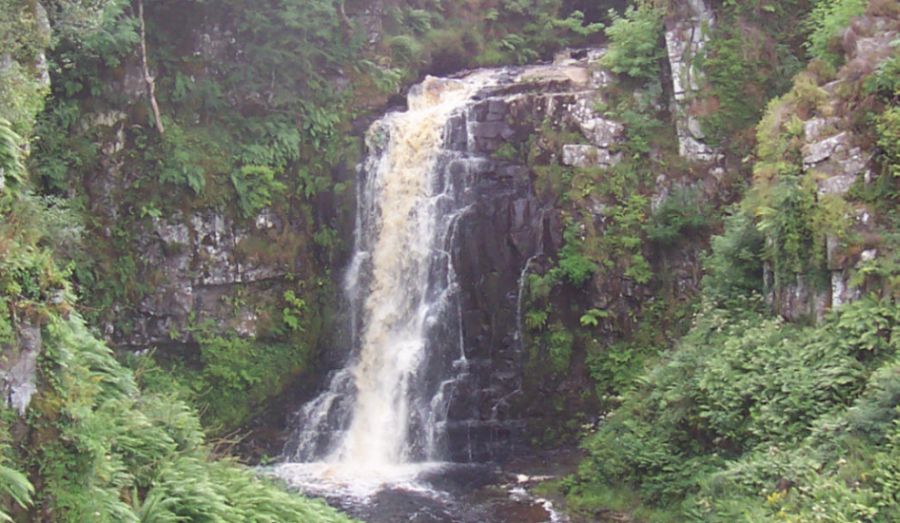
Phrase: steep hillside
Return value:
(770, 408)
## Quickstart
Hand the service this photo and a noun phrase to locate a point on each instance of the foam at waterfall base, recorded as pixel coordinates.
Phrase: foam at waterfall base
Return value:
(359, 481)
(435, 492)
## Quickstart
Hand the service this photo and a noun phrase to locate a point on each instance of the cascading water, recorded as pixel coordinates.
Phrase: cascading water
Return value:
(387, 407)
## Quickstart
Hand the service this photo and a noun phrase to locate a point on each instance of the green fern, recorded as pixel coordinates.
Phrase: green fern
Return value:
(16, 486)
(11, 168)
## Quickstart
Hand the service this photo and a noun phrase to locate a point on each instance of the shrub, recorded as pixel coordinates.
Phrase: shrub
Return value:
(746, 403)
(574, 265)
(405, 50)
(683, 212)
(828, 19)
(634, 47)
(255, 186)
(11, 168)
(240, 374)
(887, 126)
(96, 464)
(559, 347)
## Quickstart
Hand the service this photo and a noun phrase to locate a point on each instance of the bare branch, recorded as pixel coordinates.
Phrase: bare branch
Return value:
(151, 84)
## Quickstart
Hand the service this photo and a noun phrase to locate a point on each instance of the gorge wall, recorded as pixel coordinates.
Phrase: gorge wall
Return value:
(558, 162)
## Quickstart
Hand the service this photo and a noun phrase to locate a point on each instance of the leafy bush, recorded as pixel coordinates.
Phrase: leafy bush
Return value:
(702, 430)
(787, 222)
(239, 374)
(11, 167)
(751, 56)
(255, 187)
(14, 485)
(405, 50)
(886, 80)
(592, 317)
(734, 267)
(532, 29)
(887, 126)
(683, 212)
(573, 264)
(642, 126)
(634, 47)
(828, 19)
(559, 347)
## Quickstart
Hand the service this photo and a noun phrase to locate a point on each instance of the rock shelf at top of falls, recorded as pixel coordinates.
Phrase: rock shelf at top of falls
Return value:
(420, 387)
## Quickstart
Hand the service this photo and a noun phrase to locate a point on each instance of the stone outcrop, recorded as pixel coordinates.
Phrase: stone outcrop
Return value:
(202, 264)
(835, 153)
(509, 231)
(686, 37)
(18, 366)
(195, 266)
(508, 226)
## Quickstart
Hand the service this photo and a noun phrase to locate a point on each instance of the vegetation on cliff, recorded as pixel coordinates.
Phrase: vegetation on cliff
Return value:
(751, 417)
(121, 121)
(92, 446)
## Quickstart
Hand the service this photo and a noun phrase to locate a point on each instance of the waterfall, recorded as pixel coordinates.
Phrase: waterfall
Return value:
(434, 364)
(388, 405)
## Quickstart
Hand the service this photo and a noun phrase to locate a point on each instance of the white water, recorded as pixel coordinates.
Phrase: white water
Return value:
(397, 309)
(372, 427)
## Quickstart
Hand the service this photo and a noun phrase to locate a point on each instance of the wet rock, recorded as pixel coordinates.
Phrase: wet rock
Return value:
(496, 110)
(455, 134)
(492, 130)
(18, 367)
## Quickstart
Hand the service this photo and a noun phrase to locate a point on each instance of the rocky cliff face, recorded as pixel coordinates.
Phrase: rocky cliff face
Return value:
(837, 152)
(686, 36)
(513, 229)
(508, 228)
(18, 369)
(202, 264)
